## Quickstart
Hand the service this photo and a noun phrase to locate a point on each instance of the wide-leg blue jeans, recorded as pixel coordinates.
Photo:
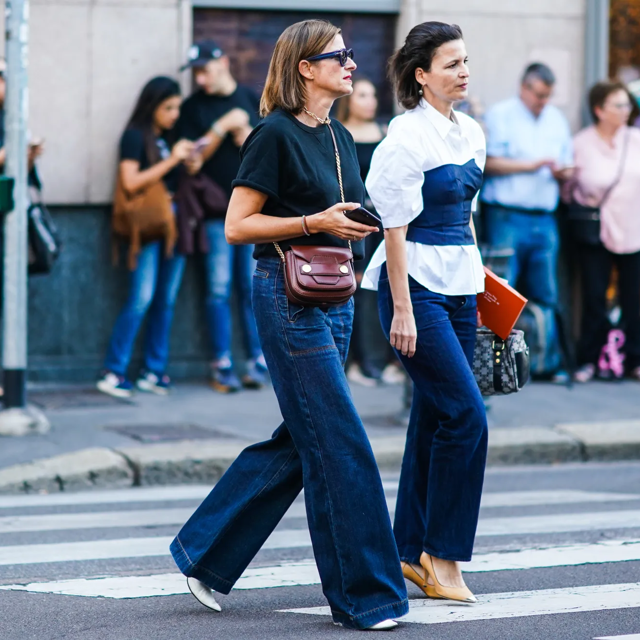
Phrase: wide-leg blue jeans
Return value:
(444, 461)
(321, 445)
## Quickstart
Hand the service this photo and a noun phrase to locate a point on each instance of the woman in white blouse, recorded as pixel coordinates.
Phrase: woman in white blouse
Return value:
(424, 180)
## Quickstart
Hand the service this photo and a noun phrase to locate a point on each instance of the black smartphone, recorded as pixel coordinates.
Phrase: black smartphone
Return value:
(363, 216)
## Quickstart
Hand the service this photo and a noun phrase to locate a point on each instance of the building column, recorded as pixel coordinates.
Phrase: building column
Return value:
(596, 66)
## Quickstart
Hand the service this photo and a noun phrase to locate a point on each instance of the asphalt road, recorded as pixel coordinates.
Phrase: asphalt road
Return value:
(557, 557)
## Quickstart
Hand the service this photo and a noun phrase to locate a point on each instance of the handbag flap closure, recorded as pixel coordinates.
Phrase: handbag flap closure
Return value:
(322, 265)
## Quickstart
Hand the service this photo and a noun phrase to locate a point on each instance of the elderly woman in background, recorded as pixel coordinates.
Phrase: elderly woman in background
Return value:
(607, 177)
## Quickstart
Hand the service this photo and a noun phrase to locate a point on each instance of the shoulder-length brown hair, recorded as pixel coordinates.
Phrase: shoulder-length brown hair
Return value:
(284, 87)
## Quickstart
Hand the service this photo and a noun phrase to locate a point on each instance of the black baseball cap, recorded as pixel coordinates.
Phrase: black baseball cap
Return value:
(202, 52)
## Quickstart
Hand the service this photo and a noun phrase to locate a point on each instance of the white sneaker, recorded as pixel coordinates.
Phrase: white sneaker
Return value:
(203, 594)
(354, 374)
(393, 374)
(114, 385)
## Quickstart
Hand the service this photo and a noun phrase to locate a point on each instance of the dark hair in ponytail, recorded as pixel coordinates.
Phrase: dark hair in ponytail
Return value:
(417, 52)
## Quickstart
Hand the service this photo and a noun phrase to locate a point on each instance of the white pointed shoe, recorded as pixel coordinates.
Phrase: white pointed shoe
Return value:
(203, 594)
(385, 625)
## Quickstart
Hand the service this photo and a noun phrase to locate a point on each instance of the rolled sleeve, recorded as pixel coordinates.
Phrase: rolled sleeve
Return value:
(395, 182)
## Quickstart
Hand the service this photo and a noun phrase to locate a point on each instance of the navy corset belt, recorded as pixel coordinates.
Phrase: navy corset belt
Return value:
(447, 194)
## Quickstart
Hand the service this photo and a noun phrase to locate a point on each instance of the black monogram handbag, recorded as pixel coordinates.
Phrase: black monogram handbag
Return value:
(500, 366)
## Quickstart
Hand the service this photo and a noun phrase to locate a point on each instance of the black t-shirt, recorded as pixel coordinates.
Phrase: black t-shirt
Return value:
(132, 147)
(198, 114)
(295, 166)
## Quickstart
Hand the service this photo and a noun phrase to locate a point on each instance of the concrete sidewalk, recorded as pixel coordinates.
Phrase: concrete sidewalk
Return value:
(194, 434)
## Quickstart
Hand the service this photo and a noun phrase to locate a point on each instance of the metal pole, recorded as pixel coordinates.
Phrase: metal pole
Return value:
(14, 344)
(596, 47)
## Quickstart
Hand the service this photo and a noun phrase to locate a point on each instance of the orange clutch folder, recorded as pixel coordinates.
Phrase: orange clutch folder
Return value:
(500, 305)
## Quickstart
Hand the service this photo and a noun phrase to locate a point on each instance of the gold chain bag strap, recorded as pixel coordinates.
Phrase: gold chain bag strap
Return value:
(319, 276)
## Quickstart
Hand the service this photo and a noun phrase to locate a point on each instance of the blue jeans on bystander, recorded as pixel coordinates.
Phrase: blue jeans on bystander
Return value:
(322, 446)
(228, 265)
(154, 288)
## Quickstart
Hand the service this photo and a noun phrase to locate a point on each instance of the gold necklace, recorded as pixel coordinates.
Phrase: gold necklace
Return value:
(326, 120)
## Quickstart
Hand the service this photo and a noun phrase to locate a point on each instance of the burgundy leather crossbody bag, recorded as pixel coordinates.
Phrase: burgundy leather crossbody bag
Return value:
(319, 276)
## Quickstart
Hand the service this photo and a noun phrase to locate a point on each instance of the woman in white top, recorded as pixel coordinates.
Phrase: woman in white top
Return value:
(424, 180)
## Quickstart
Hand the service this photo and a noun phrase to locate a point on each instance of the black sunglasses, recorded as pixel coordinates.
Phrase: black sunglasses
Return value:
(343, 56)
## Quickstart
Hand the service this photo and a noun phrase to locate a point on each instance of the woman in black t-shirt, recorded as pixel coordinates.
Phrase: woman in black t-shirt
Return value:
(146, 157)
(286, 192)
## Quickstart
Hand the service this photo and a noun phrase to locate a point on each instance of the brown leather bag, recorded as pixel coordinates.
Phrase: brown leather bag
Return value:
(319, 276)
(143, 217)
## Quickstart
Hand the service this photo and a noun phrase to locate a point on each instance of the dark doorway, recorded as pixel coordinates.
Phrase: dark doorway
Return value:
(248, 37)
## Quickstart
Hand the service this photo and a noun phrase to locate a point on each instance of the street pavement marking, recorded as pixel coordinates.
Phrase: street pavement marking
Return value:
(199, 492)
(493, 606)
(538, 524)
(123, 548)
(129, 495)
(288, 574)
(635, 636)
(291, 574)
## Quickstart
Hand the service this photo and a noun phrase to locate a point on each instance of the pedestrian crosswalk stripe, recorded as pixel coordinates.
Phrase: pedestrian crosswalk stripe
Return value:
(124, 496)
(292, 574)
(635, 636)
(539, 524)
(563, 523)
(305, 572)
(493, 606)
(199, 492)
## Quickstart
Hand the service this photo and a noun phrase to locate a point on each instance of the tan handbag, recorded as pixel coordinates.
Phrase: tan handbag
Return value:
(319, 276)
(143, 217)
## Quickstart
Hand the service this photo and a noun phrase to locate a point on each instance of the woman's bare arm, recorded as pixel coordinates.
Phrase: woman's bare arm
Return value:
(404, 334)
(246, 224)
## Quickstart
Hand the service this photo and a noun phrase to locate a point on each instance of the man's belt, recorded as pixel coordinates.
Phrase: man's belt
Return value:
(533, 212)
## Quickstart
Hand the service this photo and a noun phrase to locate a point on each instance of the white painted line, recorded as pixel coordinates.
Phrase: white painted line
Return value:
(557, 556)
(124, 496)
(123, 548)
(635, 636)
(169, 584)
(562, 523)
(199, 492)
(80, 551)
(540, 498)
(492, 606)
(306, 573)
(94, 520)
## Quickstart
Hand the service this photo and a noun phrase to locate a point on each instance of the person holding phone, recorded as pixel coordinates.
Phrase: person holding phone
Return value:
(287, 191)
(148, 155)
(530, 154)
(424, 180)
(218, 117)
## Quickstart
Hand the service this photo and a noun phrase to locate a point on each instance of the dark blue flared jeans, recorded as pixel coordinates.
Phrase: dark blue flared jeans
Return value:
(445, 455)
(322, 446)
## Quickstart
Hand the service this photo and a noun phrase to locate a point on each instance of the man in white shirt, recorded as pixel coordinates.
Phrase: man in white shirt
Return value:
(529, 151)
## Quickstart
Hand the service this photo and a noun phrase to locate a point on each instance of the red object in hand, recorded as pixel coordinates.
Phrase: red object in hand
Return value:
(500, 305)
